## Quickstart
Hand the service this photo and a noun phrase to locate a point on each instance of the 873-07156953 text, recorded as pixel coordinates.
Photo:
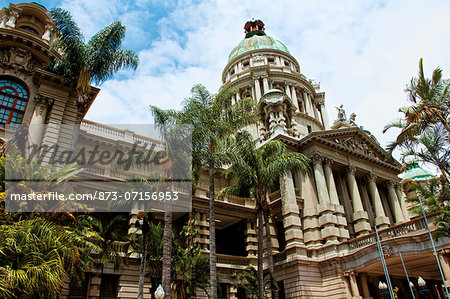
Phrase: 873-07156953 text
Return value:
(97, 195)
(137, 195)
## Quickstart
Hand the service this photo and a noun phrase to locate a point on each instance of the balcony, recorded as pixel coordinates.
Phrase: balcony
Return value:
(231, 261)
(413, 227)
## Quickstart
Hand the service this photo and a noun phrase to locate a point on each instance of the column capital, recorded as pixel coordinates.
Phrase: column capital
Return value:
(398, 185)
(390, 184)
(43, 100)
(350, 170)
(370, 177)
(255, 77)
(328, 161)
(317, 159)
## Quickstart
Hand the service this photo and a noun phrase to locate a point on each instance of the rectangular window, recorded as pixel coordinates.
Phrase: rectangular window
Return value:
(108, 287)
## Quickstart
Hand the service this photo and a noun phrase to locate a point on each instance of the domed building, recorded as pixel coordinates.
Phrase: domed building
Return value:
(323, 236)
(322, 225)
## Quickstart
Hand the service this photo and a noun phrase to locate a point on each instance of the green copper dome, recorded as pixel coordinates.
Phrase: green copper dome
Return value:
(415, 172)
(256, 39)
(257, 42)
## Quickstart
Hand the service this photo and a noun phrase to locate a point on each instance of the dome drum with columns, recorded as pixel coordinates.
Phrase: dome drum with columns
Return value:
(260, 65)
(327, 219)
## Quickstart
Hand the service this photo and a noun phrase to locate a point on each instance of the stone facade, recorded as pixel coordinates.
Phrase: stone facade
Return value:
(322, 227)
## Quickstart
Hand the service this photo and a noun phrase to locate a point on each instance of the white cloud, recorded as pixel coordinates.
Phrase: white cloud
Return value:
(362, 53)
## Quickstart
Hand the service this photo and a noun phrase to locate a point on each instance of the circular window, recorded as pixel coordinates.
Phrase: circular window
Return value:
(13, 102)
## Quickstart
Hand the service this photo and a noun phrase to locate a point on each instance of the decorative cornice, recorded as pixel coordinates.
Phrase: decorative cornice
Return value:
(329, 138)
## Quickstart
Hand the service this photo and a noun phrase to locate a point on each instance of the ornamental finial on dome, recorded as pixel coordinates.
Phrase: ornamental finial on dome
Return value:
(254, 27)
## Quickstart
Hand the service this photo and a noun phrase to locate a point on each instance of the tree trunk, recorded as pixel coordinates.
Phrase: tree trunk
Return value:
(444, 122)
(270, 254)
(142, 264)
(212, 236)
(260, 255)
(167, 251)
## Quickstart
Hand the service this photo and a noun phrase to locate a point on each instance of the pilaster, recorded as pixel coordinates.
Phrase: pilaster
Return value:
(291, 216)
(327, 219)
(334, 199)
(310, 219)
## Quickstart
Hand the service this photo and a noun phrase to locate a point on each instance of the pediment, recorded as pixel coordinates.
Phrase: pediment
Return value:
(353, 141)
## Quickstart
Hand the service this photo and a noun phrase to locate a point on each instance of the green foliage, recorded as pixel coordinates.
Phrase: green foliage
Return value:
(38, 178)
(431, 103)
(36, 257)
(257, 167)
(106, 233)
(248, 280)
(98, 60)
(435, 197)
(191, 267)
(425, 138)
(212, 116)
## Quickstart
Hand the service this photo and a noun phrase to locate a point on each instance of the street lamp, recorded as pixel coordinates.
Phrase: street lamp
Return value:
(422, 286)
(383, 288)
(159, 293)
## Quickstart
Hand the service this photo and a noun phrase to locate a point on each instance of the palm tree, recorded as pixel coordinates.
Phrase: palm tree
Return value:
(432, 147)
(191, 267)
(258, 169)
(108, 232)
(213, 118)
(164, 120)
(431, 105)
(36, 257)
(82, 64)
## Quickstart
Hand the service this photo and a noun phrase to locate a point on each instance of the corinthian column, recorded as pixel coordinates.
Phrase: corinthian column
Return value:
(287, 89)
(401, 198)
(257, 88)
(265, 83)
(360, 216)
(321, 185)
(395, 205)
(326, 220)
(307, 104)
(330, 181)
(294, 97)
(38, 118)
(334, 198)
(381, 220)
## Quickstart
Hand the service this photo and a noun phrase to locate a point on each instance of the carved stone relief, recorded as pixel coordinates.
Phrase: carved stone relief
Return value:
(18, 59)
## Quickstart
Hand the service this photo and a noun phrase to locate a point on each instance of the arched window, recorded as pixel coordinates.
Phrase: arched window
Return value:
(29, 29)
(13, 102)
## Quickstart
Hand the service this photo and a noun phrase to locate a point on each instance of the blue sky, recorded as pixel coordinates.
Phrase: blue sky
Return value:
(362, 52)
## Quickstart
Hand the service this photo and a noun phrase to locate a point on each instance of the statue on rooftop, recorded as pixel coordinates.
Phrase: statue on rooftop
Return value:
(341, 113)
(352, 118)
